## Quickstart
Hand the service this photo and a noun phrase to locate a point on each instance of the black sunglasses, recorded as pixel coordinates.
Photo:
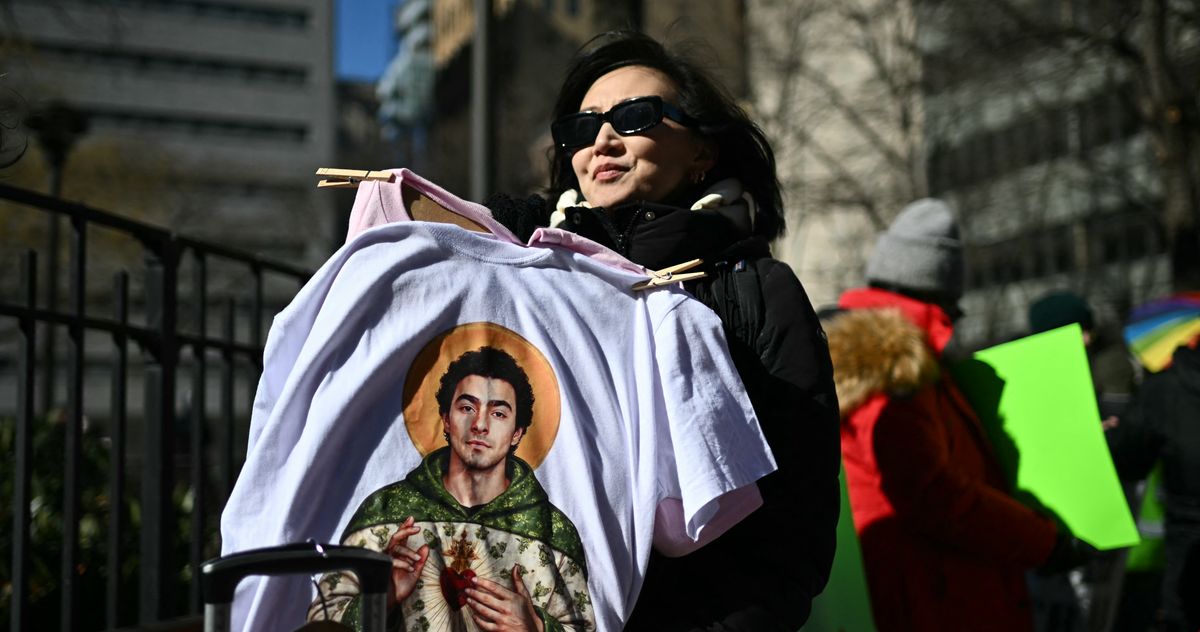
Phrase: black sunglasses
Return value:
(627, 117)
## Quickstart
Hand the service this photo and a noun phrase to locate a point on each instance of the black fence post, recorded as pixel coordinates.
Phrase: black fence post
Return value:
(71, 569)
(256, 308)
(50, 346)
(162, 547)
(23, 459)
(117, 523)
(158, 522)
(199, 435)
(225, 455)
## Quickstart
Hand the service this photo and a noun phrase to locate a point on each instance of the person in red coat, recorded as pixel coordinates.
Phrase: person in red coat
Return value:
(945, 545)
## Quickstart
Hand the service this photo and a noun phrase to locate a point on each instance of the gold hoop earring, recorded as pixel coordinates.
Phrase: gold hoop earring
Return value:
(698, 177)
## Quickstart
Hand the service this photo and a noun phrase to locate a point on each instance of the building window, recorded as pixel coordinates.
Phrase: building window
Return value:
(1038, 265)
(939, 179)
(197, 126)
(978, 263)
(1139, 242)
(1055, 128)
(1062, 250)
(1110, 247)
(1129, 121)
(190, 66)
(212, 9)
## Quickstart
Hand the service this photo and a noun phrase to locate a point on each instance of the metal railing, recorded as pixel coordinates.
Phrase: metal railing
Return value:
(161, 344)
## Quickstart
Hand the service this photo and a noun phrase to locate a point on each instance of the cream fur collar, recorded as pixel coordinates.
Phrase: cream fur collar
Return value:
(721, 194)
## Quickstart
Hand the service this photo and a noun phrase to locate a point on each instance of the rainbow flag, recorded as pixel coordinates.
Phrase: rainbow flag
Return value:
(1157, 328)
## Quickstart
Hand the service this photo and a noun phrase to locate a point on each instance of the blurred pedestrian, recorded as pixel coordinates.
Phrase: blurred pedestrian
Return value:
(654, 159)
(1111, 364)
(1162, 433)
(944, 544)
(1062, 602)
(1164, 424)
(1189, 587)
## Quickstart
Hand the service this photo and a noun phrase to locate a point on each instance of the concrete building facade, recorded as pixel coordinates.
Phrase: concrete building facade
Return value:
(1040, 148)
(1046, 158)
(223, 109)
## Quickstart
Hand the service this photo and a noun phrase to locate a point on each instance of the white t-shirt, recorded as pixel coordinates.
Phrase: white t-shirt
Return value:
(635, 397)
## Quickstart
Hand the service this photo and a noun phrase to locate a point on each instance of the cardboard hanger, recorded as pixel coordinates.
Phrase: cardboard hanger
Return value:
(420, 206)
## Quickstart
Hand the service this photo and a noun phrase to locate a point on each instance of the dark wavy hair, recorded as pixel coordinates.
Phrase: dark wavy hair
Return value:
(493, 363)
(743, 151)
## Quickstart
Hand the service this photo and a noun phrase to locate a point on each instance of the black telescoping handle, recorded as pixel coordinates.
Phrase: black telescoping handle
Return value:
(222, 575)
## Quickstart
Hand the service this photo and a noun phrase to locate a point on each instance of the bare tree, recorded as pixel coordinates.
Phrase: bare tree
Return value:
(837, 86)
(1064, 131)
(1150, 50)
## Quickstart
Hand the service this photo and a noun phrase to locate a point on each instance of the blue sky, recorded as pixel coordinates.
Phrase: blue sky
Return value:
(363, 40)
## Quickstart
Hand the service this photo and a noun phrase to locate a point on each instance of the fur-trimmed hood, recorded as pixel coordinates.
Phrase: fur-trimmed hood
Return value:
(878, 351)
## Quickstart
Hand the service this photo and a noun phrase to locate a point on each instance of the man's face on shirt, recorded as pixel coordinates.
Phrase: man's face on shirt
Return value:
(482, 422)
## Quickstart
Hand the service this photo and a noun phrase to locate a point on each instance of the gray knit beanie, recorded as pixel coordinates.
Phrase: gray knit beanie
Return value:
(920, 251)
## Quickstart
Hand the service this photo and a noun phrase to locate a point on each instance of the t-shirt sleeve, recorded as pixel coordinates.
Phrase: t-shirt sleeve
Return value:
(716, 445)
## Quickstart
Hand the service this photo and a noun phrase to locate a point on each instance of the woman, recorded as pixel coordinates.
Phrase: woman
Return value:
(655, 160)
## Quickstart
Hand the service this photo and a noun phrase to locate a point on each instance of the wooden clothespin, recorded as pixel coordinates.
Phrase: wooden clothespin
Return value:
(670, 275)
(349, 178)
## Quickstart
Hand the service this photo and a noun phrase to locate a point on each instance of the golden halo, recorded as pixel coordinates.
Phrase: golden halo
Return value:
(420, 387)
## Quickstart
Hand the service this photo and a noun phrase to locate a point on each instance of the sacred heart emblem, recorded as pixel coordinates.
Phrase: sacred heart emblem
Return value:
(456, 577)
(455, 585)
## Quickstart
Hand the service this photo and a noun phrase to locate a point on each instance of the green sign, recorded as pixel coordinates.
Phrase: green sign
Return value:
(1036, 401)
(1151, 554)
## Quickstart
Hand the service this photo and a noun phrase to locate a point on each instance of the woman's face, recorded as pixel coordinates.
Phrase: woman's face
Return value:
(648, 166)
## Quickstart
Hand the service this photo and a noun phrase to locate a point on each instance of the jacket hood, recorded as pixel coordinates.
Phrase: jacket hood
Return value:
(522, 509)
(928, 317)
(876, 347)
(522, 491)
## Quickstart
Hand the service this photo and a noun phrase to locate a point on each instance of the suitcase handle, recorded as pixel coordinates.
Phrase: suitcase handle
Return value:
(221, 576)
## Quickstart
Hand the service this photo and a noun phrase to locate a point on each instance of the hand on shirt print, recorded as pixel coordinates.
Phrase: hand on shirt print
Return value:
(498, 609)
(406, 563)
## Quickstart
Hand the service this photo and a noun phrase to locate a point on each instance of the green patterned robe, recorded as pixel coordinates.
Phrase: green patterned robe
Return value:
(519, 527)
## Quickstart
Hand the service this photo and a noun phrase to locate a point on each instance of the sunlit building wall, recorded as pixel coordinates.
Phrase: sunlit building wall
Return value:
(847, 143)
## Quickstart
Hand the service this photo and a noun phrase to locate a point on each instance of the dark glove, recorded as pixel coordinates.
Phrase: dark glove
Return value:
(1068, 553)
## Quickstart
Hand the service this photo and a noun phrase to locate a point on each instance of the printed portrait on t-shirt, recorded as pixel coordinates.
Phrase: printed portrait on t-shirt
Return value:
(473, 536)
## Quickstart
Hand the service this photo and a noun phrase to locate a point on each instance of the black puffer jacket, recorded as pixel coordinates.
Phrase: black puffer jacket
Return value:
(763, 574)
(1164, 424)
